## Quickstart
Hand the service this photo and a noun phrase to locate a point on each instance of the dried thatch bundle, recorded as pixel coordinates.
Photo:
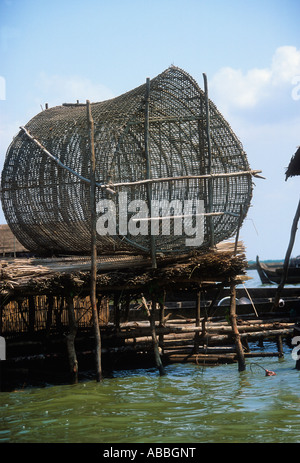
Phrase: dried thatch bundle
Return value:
(60, 275)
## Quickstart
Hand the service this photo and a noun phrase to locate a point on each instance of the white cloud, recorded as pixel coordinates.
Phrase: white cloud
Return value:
(285, 65)
(235, 89)
(57, 89)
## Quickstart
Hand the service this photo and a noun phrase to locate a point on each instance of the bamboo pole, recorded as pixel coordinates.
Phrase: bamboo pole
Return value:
(253, 173)
(151, 315)
(287, 257)
(93, 247)
(31, 303)
(70, 340)
(197, 324)
(59, 163)
(235, 331)
(49, 314)
(162, 320)
(210, 184)
(148, 168)
(238, 230)
(279, 345)
(117, 314)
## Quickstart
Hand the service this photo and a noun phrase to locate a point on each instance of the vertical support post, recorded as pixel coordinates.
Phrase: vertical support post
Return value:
(210, 185)
(154, 339)
(238, 230)
(70, 338)
(49, 314)
(151, 316)
(198, 312)
(279, 345)
(127, 307)
(287, 257)
(117, 311)
(31, 304)
(148, 169)
(93, 246)
(161, 320)
(235, 331)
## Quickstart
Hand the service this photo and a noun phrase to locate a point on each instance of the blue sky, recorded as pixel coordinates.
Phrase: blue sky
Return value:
(62, 51)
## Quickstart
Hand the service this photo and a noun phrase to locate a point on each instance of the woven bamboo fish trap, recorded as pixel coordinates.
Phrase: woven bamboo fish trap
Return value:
(164, 135)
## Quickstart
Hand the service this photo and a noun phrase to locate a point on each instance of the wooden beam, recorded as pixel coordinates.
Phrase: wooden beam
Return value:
(93, 247)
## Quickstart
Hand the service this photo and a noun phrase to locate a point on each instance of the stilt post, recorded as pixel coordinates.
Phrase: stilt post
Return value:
(148, 168)
(70, 338)
(235, 331)
(279, 345)
(151, 316)
(287, 257)
(93, 247)
(198, 312)
(117, 311)
(209, 152)
(31, 303)
(162, 319)
(49, 314)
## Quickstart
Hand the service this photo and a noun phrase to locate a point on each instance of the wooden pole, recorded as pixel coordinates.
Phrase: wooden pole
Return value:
(93, 247)
(70, 338)
(117, 311)
(287, 256)
(198, 311)
(279, 345)
(210, 185)
(235, 331)
(238, 230)
(31, 303)
(162, 320)
(151, 315)
(49, 314)
(148, 168)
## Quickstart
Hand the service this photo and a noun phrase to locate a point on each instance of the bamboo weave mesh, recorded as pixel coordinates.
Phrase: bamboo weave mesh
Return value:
(48, 208)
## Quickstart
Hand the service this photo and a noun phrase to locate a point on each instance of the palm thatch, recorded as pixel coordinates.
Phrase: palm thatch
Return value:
(294, 165)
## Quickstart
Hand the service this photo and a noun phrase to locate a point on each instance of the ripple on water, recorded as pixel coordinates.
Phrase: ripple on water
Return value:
(189, 404)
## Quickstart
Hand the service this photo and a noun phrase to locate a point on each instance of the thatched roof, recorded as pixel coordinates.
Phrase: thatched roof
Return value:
(125, 273)
(8, 242)
(294, 166)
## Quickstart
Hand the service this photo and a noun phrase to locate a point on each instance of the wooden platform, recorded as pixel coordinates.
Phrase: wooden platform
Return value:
(46, 311)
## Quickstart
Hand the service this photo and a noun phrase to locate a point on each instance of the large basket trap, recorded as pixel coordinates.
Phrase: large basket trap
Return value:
(163, 142)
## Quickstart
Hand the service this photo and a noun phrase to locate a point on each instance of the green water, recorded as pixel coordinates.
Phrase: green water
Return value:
(192, 404)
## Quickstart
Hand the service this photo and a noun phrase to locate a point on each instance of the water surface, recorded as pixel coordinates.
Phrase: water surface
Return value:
(191, 404)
